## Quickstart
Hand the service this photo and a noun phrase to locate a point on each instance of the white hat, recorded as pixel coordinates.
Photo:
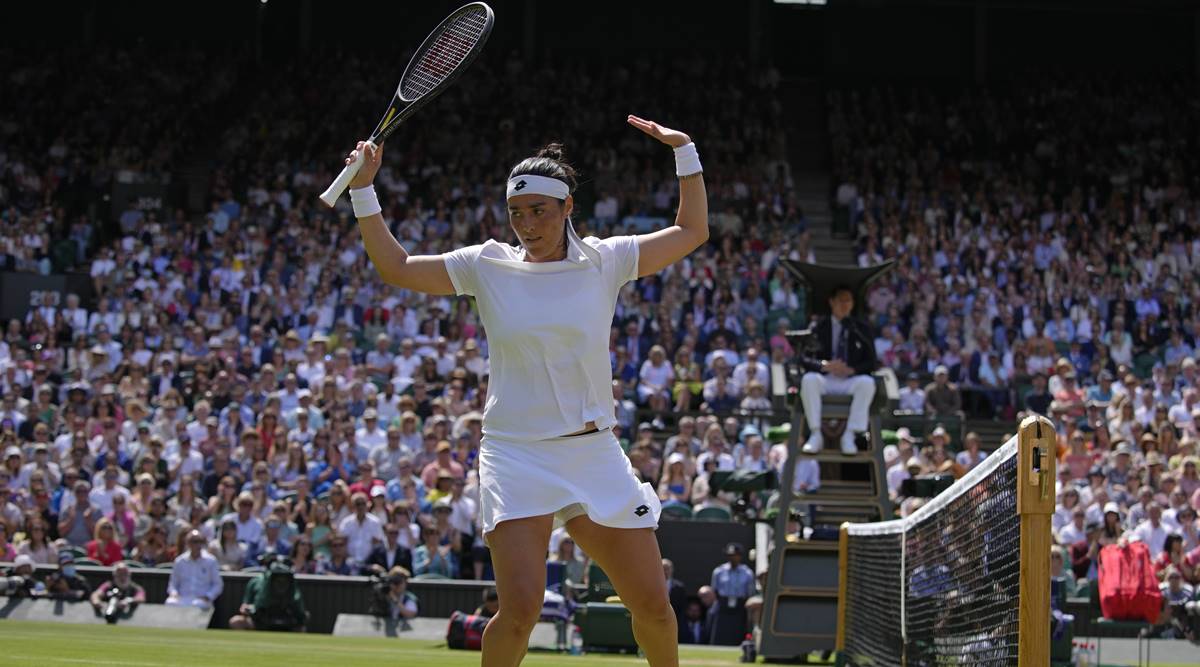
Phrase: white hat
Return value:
(903, 433)
(675, 457)
(23, 559)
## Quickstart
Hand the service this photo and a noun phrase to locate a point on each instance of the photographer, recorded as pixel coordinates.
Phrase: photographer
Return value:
(20, 582)
(398, 602)
(272, 600)
(118, 597)
(66, 584)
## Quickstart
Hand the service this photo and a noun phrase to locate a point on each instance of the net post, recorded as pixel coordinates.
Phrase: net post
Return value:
(843, 559)
(1036, 456)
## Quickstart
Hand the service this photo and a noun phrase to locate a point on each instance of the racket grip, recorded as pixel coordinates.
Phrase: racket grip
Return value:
(335, 190)
(339, 185)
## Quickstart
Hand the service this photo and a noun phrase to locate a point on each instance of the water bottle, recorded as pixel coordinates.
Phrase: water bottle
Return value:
(576, 640)
(749, 653)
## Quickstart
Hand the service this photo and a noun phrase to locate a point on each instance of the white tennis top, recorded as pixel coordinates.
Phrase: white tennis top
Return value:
(548, 327)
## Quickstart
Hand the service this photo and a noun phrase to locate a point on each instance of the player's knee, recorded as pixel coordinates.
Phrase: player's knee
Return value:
(650, 606)
(864, 383)
(521, 611)
(811, 381)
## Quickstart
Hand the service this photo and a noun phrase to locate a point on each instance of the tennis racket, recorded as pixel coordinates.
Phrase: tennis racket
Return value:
(443, 56)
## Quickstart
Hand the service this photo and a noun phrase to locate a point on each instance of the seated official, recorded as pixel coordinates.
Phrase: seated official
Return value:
(195, 577)
(846, 361)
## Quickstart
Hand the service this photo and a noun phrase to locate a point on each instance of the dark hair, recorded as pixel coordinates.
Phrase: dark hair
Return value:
(550, 162)
(838, 289)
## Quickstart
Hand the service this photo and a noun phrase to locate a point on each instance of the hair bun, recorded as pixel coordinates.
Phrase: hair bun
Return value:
(554, 151)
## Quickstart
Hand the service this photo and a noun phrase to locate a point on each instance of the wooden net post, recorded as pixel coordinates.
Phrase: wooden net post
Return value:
(1036, 477)
(843, 547)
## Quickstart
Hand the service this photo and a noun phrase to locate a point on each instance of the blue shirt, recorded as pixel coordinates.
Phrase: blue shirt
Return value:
(729, 581)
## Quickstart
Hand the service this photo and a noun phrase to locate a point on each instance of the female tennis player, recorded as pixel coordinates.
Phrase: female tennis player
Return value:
(548, 453)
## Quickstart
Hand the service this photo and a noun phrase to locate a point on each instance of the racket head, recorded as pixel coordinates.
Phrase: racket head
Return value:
(446, 52)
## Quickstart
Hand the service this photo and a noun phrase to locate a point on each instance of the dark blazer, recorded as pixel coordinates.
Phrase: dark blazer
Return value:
(860, 346)
(378, 556)
(677, 594)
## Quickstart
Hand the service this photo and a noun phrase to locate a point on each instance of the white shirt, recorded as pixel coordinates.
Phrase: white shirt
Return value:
(360, 536)
(250, 531)
(370, 439)
(102, 498)
(1071, 534)
(1154, 538)
(191, 578)
(548, 325)
(406, 367)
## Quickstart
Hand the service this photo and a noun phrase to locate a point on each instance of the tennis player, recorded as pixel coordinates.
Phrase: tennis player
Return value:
(548, 454)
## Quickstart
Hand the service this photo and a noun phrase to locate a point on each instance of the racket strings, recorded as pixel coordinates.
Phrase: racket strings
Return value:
(445, 54)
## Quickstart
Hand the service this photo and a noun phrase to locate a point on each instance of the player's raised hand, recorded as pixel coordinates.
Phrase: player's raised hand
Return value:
(372, 156)
(672, 138)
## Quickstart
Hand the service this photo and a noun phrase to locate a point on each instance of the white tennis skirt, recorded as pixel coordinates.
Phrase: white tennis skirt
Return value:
(568, 477)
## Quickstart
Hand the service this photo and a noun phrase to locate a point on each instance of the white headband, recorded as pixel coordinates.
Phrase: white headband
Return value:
(528, 184)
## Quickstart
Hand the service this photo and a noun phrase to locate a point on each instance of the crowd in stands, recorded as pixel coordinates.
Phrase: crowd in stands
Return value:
(1046, 247)
(240, 381)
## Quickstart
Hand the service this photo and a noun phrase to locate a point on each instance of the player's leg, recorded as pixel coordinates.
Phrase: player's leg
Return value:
(518, 551)
(631, 559)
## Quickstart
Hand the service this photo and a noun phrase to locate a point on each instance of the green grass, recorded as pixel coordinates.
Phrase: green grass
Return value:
(37, 643)
(34, 643)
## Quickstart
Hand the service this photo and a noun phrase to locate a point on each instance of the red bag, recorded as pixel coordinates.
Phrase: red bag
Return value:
(1128, 588)
(465, 631)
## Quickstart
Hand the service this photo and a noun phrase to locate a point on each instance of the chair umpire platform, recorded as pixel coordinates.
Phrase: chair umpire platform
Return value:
(800, 602)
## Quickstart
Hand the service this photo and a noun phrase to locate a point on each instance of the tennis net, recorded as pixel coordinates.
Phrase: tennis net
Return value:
(944, 585)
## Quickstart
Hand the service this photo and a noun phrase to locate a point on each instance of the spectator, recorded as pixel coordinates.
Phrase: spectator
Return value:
(249, 527)
(362, 530)
(36, 544)
(104, 547)
(912, 396)
(1151, 531)
(390, 554)
(152, 550)
(695, 628)
(443, 462)
(942, 398)
(971, 455)
(1057, 571)
(230, 552)
(434, 558)
(677, 593)
(7, 551)
(338, 561)
(676, 485)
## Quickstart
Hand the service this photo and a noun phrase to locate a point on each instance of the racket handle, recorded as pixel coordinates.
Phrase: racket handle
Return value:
(339, 185)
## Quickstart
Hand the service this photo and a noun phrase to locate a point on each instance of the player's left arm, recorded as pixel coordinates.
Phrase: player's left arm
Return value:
(658, 250)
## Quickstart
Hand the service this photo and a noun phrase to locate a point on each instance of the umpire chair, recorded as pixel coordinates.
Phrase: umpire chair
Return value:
(799, 613)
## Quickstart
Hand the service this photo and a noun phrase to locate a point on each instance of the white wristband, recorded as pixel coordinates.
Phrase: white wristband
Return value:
(365, 202)
(687, 160)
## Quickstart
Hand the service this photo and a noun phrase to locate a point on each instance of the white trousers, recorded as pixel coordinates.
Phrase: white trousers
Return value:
(814, 385)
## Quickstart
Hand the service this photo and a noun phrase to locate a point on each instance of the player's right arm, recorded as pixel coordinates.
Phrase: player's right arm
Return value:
(423, 273)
